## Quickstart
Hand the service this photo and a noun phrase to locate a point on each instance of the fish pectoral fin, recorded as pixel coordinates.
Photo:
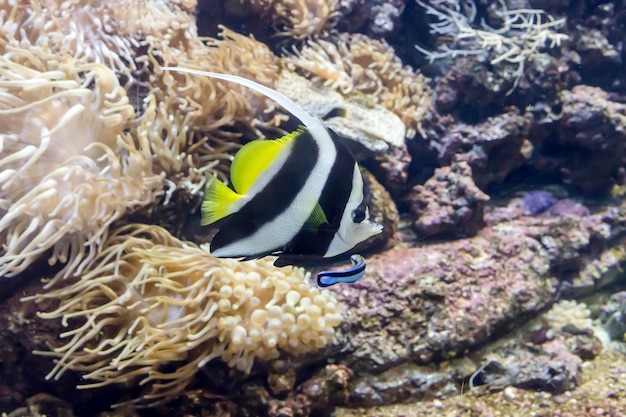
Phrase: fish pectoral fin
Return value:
(256, 157)
(218, 203)
(317, 218)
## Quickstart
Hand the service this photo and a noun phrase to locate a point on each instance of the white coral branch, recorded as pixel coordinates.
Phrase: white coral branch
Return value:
(522, 34)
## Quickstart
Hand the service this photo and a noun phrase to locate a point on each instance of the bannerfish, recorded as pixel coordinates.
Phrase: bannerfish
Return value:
(300, 196)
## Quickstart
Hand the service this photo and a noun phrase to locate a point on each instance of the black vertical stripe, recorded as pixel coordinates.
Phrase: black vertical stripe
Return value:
(272, 200)
(333, 201)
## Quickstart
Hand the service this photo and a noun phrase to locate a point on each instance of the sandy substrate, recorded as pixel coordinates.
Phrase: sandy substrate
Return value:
(601, 392)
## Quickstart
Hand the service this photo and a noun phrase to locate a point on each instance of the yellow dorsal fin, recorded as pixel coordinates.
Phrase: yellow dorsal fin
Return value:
(218, 202)
(317, 218)
(256, 157)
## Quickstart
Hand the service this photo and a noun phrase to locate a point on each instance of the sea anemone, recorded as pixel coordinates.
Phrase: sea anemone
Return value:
(194, 122)
(369, 66)
(85, 30)
(115, 34)
(182, 156)
(68, 169)
(297, 19)
(148, 300)
(215, 104)
(302, 19)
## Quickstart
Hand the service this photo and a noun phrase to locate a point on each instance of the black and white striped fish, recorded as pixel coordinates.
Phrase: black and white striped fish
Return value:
(301, 195)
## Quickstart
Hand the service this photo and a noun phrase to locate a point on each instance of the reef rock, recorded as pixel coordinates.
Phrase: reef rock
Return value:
(448, 203)
(493, 148)
(358, 119)
(592, 132)
(613, 316)
(432, 303)
(552, 368)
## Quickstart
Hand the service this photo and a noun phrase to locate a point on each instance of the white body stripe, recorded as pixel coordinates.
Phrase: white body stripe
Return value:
(342, 241)
(286, 225)
(349, 232)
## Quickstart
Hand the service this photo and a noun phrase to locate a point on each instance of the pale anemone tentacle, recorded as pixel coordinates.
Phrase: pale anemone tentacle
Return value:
(63, 196)
(148, 299)
(357, 63)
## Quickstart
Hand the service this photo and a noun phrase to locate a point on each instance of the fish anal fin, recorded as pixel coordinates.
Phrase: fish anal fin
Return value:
(317, 218)
(256, 157)
(218, 202)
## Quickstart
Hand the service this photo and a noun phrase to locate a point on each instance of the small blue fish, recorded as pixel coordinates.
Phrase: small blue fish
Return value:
(328, 278)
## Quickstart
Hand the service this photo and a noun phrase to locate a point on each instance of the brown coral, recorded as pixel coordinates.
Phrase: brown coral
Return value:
(149, 299)
(369, 66)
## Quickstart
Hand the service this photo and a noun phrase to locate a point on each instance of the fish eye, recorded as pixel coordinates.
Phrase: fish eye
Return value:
(358, 215)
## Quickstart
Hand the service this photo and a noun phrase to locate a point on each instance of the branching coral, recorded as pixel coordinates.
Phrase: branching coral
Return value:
(67, 168)
(523, 34)
(149, 300)
(358, 63)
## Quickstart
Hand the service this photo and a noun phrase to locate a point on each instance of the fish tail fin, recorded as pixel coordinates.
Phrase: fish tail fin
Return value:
(219, 201)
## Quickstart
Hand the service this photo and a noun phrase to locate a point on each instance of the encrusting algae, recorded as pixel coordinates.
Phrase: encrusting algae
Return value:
(148, 300)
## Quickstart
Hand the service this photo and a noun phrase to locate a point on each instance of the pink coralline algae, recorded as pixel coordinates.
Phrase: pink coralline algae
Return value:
(448, 203)
(427, 304)
(431, 303)
(592, 132)
(493, 149)
(567, 207)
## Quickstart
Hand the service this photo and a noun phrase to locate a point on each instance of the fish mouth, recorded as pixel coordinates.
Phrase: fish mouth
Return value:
(376, 226)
